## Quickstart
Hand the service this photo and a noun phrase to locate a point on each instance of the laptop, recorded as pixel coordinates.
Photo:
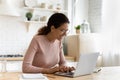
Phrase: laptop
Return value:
(85, 65)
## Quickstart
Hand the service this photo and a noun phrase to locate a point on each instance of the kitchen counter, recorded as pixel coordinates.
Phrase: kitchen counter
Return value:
(13, 58)
(21, 58)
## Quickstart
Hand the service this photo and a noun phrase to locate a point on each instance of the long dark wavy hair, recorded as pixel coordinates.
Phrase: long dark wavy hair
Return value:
(56, 20)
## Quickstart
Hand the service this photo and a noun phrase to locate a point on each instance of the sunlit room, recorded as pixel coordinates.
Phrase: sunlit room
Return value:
(39, 39)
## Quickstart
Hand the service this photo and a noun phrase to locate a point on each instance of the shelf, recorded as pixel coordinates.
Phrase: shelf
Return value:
(42, 14)
(44, 9)
(36, 22)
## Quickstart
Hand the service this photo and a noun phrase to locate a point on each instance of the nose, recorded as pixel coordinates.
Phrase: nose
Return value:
(65, 34)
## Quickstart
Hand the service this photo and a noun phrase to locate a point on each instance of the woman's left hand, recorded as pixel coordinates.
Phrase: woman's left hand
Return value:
(66, 69)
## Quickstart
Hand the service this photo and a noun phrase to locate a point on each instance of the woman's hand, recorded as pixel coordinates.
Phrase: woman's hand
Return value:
(66, 69)
(58, 69)
(50, 70)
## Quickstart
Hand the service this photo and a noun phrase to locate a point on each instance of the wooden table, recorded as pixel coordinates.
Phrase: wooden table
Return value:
(107, 73)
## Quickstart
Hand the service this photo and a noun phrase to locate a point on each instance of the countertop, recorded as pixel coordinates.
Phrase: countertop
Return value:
(21, 58)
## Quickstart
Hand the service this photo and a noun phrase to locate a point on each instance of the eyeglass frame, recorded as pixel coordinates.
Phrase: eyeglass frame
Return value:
(64, 31)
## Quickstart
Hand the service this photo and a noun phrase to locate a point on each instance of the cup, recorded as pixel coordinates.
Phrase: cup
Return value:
(43, 5)
(50, 6)
(58, 7)
(43, 18)
(37, 18)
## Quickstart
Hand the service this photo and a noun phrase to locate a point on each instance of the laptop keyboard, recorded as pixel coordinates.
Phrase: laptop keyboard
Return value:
(64, 73)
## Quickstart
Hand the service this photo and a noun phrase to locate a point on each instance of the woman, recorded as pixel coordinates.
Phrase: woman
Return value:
(45, 53)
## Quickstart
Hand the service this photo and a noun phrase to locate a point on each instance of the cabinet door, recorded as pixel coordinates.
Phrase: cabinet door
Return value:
(72, 43)
(14, 66)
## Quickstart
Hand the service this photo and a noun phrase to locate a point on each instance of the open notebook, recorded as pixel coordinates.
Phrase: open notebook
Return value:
(28, 76)
(85, 65)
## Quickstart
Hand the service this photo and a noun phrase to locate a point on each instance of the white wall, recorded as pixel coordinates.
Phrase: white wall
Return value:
(95, 14)
(14, 36)
(89, 10)
(81, 11)
(80, 14)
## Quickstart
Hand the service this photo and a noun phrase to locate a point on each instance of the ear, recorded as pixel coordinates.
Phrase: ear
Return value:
(52, 28)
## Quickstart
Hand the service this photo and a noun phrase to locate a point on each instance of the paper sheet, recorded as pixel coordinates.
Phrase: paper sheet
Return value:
(37, 76)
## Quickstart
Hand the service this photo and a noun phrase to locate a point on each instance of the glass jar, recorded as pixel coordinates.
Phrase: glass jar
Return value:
(85, 28)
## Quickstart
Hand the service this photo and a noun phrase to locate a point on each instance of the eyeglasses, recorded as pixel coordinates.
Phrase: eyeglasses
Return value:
(64, 31)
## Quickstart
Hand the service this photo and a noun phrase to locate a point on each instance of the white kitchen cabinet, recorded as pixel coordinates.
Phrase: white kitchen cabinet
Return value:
(11, 66)
(14, 66)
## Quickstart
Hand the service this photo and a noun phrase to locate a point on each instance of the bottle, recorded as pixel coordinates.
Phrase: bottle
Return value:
(85, 28)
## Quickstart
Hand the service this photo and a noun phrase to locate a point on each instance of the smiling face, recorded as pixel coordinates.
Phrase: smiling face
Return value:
(60, 32)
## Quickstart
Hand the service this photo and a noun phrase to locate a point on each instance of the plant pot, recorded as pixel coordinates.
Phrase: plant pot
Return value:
(28, 19)
(77, 31)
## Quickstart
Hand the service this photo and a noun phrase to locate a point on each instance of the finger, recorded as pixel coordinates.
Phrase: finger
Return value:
(72, 68)
(60, 69)
(57, 68)
(69, 69)
(65, 68)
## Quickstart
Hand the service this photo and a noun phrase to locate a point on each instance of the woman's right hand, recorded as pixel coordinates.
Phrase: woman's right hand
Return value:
(50, 70)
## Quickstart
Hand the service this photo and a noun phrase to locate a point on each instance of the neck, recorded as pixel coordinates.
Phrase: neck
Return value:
(50, 37)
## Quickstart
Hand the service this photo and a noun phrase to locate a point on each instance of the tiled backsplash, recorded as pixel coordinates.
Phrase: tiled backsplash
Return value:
(13, 47)
(15, 44)
(14, 38)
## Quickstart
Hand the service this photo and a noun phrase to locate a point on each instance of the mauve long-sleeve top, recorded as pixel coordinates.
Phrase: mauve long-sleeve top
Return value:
(42, 54)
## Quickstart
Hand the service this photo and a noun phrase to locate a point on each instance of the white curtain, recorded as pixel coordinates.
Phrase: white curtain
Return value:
(111, 32)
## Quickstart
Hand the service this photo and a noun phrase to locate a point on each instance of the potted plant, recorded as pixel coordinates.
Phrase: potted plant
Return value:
(29, 15)
(77, 29)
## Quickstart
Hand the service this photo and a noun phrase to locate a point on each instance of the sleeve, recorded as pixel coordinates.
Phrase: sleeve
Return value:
(27, 66)
(62, 57)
